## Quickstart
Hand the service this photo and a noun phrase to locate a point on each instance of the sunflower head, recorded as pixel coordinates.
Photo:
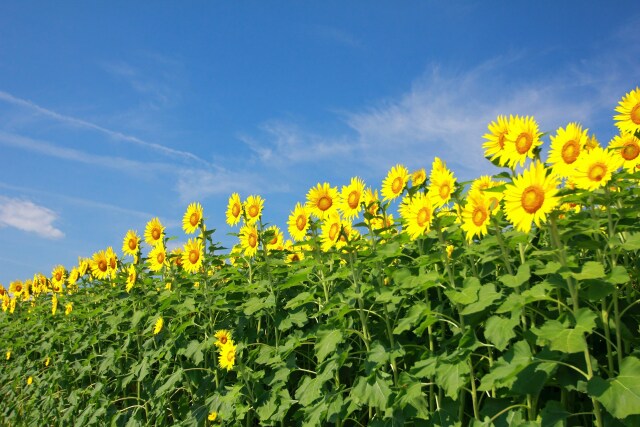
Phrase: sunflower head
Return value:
(322, 200)
(58, 277)
(227, 355)
(192, 218)
(566, 146)
(522, 140)
(441, 183)
(595, 168)
(192, 256)
(395, 182)
(417, 214)
(249, 240)
(628, 121)
(68, 308)
(158, 326)
(131, 277)
(418, 177)
(222, 336)
(351, 198)
(131, 243)
(253, 208)
(274, 238)
(99, 265)
(154, 232)
(626, 147)
(494, 147)
(234, 209)
(158, 258)
(476, 215)
(298, 222)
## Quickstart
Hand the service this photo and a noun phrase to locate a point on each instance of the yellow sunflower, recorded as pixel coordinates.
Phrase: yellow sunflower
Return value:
(394, 183)
(565, 149)
(74, 275)
(298, 222)
(441, 183)
(112, 262)
(483, 183)
(54, 304)
(58, 276)
(227, 355)
(418, 177)
(68, 308)
(158, 326)
(253, 208)
(234, 209)
(276, 240)
(249, 240)
(192, 218)
(322, 200)
(212, 416)
(531, 197)
(522, 139)
(628, 121)
(496, 139)
(84, 264)
(351, 198)
(222, 336)
(594, 169)
(99, 265)
(192, 256)
(592, 142)
(6, 301)
(371, 201)
(158, 258)
(330, 233)
(131, 277)
(476, 215)
(417, 214)
(295, 253)
(154, 232)
(176, 256)
(627, 147)
(131, 243)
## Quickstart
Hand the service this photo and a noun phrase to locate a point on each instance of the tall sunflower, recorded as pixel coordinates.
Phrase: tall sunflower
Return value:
(496, 139)
(154, 233)
(249, 240)
(330, 231)
(521, 141)
(441, 183)
(531, 197)
(112, 262)
(68, 308)
(192, 255)
(395, 182)
(54, 304)
(476, 215)
(158, 258)
(192, 218)
(58, 277)
(222, 336)
(627, 147)
(99, 265)
(84, 265)
(16, 288)
(565, 149)
(351, 197)
(234, 209)
(485, 182)
(628, 121)
(417, 214)
(371, 201)
(276, 240)
(594, 169)
(322, 200)
(131, 243)
(131, 277)
(298, 222)
(158, 326)
(227, 355)
(418, 177)
(253, 208)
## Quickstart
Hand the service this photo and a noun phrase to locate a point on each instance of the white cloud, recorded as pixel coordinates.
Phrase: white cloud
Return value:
(27, 216)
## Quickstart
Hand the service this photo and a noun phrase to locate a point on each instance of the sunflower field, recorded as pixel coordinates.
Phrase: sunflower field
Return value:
(509, 300)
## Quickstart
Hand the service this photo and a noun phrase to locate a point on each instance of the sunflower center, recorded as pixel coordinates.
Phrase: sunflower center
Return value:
(301, 222)
(133, 243)
(58, 276)
(532, 199)
(597, 171)
(396, 185)
(112, 263)
(160, 257)
(155, 233)
(570, 151)
(274, 240)
(231, 356)
(253, 241)
(295, 257)
(132, 277)
(444, 191)
(479, 216)
(523, 142)
(630, 150)
(194, 219)
(424, 216)
(324, 203)
(235, 210)
(635, 114)
(353, 199)
(194, 255)
(333, 231)
(223, 339)
(501, 140)
(18, 288)
(102, 265)
(253, 211)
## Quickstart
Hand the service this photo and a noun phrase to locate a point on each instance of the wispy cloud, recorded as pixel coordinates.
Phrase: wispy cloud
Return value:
(337, 35)
(27, 216)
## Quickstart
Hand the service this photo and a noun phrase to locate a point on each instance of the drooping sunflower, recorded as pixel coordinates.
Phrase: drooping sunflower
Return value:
(158, 326)
(99, 265)
(192, 256)
(158, 258)
(131, 277)
(522, 140)
(58, 277)
(418, 177)
(298, 222)
(531, 197)
(222, 336)
(628, 121)
(253, 208)
(249, 240)
(227, 355)
(351, 198)
(68, 308)
(154, 233)
(330, 231)
(476, 215)
(395, 182)
(322, 200)
(565, 149)
(131, 243)
(112, 262)
(627, 147)
(496, 139)
(594, 169)
(234, 209)
(441, 183)
(417, 215)
(276, 239)
(192, 218)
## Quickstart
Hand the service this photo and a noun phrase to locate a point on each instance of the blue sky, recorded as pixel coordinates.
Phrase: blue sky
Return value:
(112, 113)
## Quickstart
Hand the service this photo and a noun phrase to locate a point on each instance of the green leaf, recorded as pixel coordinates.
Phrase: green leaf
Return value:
(169, 383)
(520, 278)
(373, 391)
(632, 243)
(500, 330)
(194, 352)
(487, 295)
(590, 270)
(298, 300)
(415, 314)
(565, 339)
(505, 370)
(554, 414)
(452, 377)
(618, 275)
(328, 341)
(298, 318)
(621, 395)
(467, 295)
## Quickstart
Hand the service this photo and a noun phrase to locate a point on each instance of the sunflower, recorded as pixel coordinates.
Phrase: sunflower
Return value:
(379, 223)
(275, 241)
(158, 258)
(322, 200)
(234, 209)
(628, 121)
(6, 301)
(58, 277)
(12, 305)
(249, 240)
(112, 262)
(99, 265)
(176, 256)
(131, 277)
(253, 208)
(158, 326)
(154, 232)
(483, 183)
(192, 218)
(371, 201)
(223, 336)
(496, 139)
(295, 253)
(192, 255)
(441, 183)
(68, 308)
(84, 264)
(627, 146)
(74, 275)
(54, 304)
(351, 198)
(227, 355)
(476, 215)
(212, 416)
(594, 169)
(417, 214)
(521, 141)
(565, 149)
(418, 177)
(298, 222)
(330, 233)
(531, 197)
(131, 243)
(394, 183)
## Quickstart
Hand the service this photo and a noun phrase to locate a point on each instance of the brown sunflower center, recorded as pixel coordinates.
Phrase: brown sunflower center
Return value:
(133, 243)
(523, 142)
(253, 240)
(223, 339)
(333, 231)
(18, 288)
(295, 257)
(132, 277)
(444, 191)
(58, 276)
(274, 240)
(501, 140)
(630, 150)
(231, 356)
(396, 185)
(235, 210)
(424, 217)
(160, 257)
(194, 255)
(570, 151)
(194, 219)
(155, 233)
(353, 199)
(253, 211)
(532, 199)
(479, 216)
(324, 203)
(102, 265)
(597, 171)
(635, 114)
(301, 222)
(112, 263)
